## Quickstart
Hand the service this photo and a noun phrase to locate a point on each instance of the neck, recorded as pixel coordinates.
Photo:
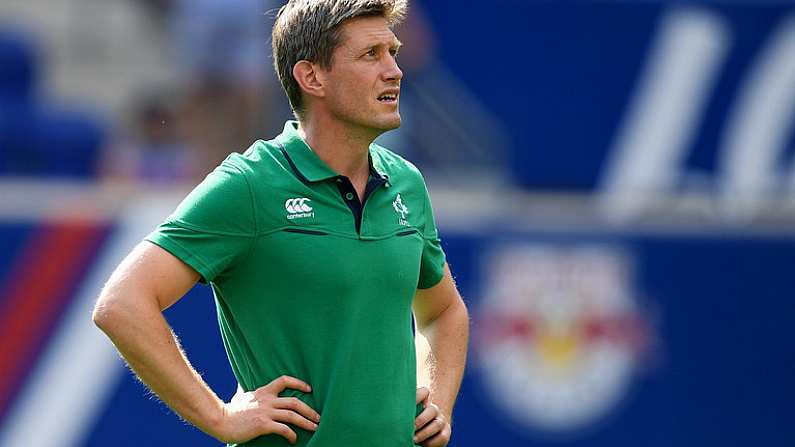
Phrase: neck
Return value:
(342, 147)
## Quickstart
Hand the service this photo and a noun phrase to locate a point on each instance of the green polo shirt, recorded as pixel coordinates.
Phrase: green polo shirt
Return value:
(310, 283)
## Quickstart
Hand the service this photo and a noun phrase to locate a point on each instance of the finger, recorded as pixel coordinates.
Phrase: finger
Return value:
(295, 404)
(441, 439)
(428, 414)
(291, 417)
(280, 384)
(429, 430)
(283, 431)
(422, 394)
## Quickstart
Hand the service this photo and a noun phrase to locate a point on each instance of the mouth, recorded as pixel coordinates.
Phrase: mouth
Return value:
(389, 97)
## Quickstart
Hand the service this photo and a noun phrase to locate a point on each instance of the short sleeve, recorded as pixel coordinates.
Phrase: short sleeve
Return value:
(433, 257)
(214, 225)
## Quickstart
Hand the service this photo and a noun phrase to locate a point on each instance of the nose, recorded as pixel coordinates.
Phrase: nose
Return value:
(391, 70)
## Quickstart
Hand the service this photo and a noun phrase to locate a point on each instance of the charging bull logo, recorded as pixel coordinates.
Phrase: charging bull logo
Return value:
(561, 335)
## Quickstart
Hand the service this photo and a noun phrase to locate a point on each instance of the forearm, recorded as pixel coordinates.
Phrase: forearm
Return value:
(447, 337)
(142, 336)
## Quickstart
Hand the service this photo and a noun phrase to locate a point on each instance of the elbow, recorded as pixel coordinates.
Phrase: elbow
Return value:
(462, 306)
(463, 312)
(103, 313)
(111, 309)
(459, 309)
(454, 315)
(117, 308)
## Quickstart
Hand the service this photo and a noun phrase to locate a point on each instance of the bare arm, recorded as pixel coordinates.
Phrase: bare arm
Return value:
(129, 311)
(443, 319)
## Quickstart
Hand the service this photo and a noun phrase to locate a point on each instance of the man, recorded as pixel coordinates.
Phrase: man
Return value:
(318, 244)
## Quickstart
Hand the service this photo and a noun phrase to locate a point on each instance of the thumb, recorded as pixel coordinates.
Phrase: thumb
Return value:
(422, 394)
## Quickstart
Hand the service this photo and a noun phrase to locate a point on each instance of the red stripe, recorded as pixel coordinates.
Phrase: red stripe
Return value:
(38, 286)
(627, 330)
(501, 327)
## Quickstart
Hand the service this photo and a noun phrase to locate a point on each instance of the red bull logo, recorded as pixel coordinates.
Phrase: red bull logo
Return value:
(560, 334)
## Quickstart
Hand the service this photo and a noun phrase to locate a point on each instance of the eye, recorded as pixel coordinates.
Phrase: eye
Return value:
(394, 52)
(371, 52)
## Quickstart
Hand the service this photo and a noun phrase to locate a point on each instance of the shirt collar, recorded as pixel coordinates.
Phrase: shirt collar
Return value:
(308, 164)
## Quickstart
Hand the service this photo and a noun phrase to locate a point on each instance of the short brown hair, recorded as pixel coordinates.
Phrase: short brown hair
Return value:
(310, 30)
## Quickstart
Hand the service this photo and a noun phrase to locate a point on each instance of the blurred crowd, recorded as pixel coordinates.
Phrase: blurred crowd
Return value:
(163, 90)
(219, 97)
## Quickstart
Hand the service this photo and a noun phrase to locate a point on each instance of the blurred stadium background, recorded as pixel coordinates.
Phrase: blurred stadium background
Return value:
(614, 181)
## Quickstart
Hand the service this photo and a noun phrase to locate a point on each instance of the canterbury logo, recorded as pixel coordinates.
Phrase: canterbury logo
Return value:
(297, 205)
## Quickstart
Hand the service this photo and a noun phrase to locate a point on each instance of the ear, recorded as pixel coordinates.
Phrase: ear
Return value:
(309, 78)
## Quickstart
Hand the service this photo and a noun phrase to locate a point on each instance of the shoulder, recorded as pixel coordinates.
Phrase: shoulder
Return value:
(260, 159)
(264, 167)
(230, 191)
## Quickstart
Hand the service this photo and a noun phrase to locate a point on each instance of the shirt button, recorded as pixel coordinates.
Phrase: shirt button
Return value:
(349, 196)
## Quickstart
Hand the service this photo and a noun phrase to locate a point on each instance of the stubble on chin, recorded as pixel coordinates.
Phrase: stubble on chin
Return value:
(382, 124)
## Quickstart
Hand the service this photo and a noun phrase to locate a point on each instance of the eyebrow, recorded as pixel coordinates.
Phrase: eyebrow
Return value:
(396, 44)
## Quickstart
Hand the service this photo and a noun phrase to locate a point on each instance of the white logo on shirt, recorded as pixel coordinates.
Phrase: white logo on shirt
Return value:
(401, 209)
(298, 208)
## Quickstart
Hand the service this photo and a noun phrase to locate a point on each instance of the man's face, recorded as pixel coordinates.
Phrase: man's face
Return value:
(363, 85)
